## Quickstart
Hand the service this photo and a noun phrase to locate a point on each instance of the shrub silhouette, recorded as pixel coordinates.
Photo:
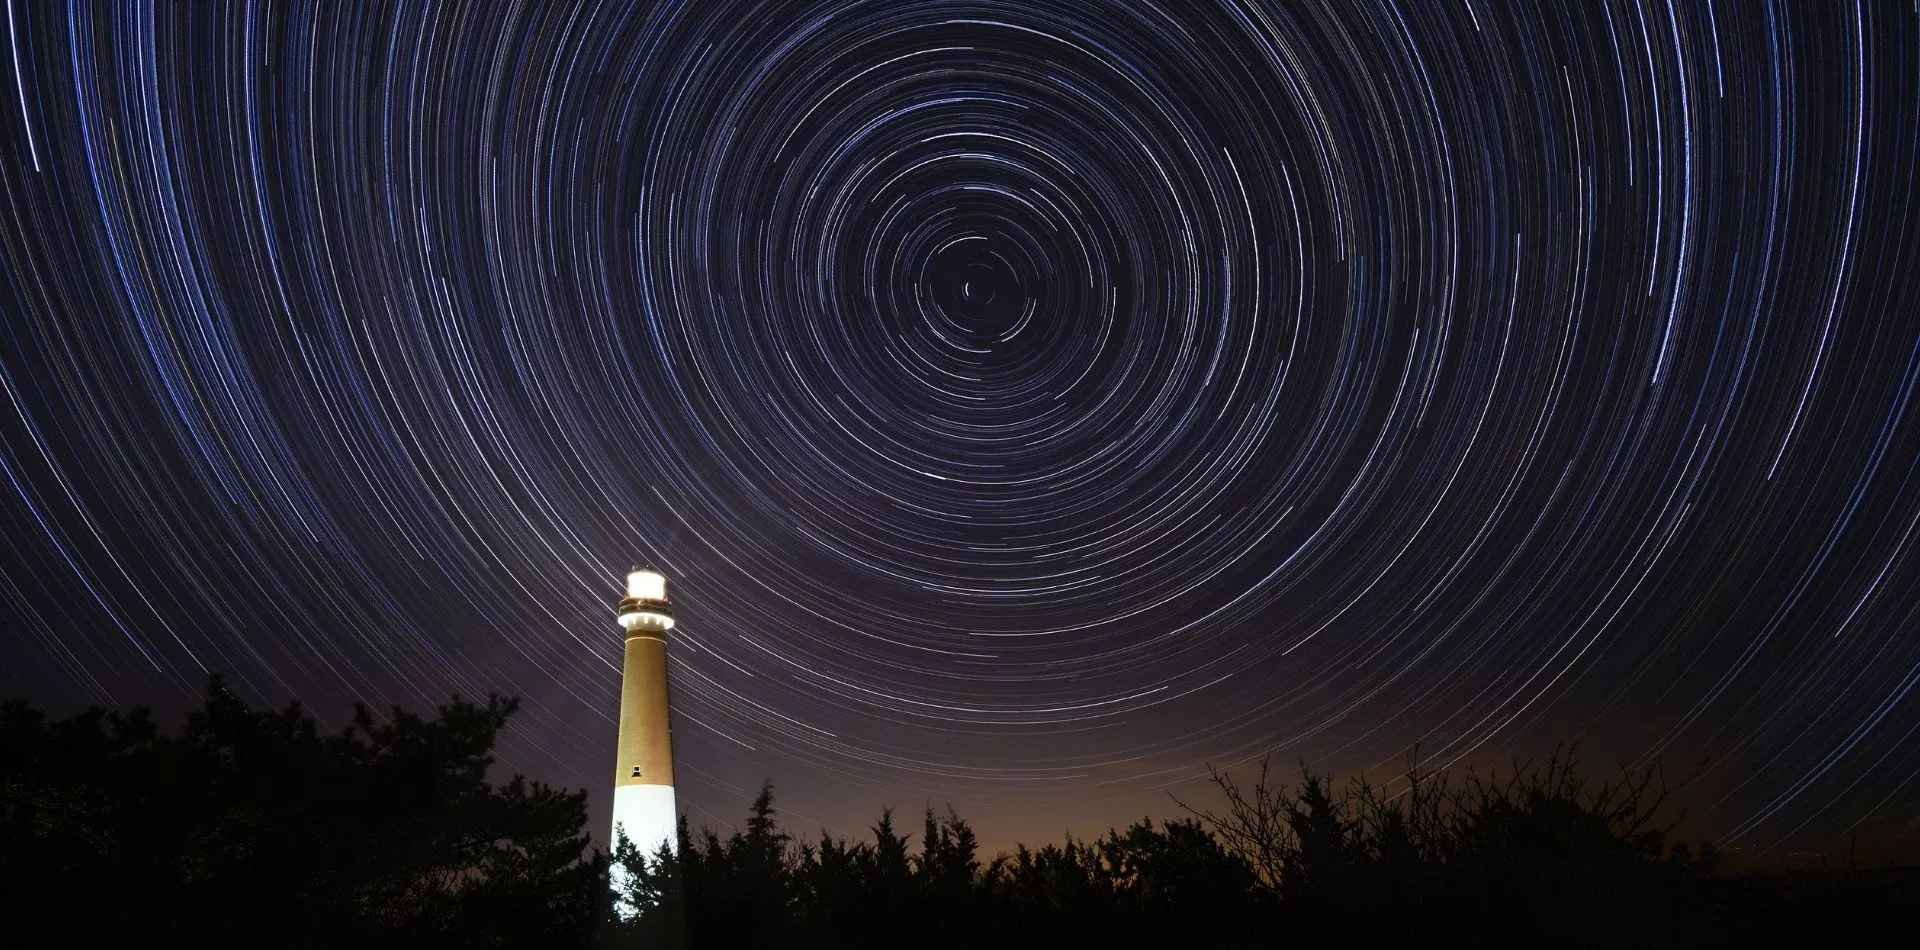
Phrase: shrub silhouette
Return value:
(1542, 857)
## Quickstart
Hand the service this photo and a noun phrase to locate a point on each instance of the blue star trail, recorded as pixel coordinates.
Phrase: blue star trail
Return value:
(1031, 402)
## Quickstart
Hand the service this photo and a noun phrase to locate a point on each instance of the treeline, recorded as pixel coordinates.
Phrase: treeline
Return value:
(1167, 885)
(252, 828)
(1538, 856)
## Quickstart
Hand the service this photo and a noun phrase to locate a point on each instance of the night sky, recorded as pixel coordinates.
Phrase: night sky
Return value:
(1030, 402)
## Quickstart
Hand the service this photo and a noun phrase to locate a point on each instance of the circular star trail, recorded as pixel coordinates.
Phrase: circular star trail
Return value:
(1030, 402)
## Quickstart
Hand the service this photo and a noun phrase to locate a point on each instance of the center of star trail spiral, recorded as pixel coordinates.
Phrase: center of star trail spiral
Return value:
(1031, 402)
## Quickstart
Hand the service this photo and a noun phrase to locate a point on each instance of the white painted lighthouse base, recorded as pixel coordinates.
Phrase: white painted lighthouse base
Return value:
(646, 815)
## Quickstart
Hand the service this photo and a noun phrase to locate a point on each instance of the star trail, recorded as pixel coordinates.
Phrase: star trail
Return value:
(1031, 402)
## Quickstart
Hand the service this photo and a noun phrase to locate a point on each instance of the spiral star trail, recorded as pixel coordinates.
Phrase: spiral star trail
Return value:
(1031, 402)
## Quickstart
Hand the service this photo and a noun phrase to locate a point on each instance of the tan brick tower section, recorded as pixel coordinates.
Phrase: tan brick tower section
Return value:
(646, 741)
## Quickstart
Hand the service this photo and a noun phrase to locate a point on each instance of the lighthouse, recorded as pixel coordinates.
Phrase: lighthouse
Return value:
(643, 806)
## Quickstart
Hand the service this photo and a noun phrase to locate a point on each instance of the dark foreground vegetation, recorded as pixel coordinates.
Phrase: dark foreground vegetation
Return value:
(252, 828)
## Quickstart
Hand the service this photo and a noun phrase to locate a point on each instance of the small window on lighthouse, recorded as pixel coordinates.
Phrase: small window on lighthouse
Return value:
(636, 771)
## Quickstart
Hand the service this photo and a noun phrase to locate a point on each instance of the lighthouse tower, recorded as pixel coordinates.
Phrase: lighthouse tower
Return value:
(643, 804)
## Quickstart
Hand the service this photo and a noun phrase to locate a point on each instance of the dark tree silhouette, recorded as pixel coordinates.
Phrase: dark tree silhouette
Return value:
(655, 889)
(252, 827)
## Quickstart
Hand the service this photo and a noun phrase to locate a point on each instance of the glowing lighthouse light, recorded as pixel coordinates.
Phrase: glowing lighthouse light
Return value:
(646, 602)
(643, 804)
(647, 585)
